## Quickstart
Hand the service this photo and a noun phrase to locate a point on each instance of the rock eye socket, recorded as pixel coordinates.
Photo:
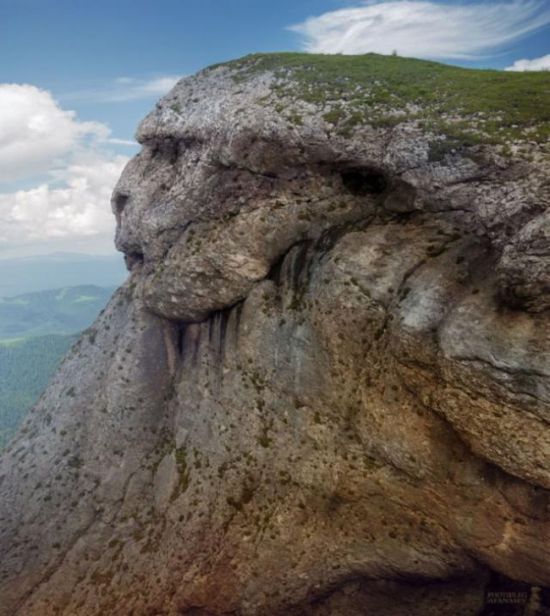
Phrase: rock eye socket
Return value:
(364, 181)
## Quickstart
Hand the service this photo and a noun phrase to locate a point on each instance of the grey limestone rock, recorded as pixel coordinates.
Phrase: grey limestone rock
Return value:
(323, 390)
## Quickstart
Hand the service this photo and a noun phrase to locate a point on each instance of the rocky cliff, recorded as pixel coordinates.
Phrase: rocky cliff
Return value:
(325, 387)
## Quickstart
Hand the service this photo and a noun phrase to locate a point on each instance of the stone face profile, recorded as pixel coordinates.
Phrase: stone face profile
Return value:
(324, 389)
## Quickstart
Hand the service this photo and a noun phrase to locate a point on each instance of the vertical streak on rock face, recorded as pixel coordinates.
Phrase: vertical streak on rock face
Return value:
(172, 343)
(324, 390)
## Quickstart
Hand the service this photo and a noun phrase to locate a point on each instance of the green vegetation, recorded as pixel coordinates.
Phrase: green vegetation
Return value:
(36, 330)
(61, 311)
(26, 366)
(468, 104)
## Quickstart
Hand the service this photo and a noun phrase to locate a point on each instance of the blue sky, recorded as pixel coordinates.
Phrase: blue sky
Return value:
(88, 70)
(67, 46)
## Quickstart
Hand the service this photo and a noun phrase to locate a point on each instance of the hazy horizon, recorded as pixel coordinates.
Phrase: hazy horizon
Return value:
(35, 273)
(42, 252)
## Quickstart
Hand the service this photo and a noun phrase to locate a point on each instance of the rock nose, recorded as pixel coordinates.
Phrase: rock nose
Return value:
(125, 241)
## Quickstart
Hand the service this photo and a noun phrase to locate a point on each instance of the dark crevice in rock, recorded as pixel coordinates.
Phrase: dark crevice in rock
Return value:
(217, 331)
(276, 271)
(509, 298)
(170, 148)
(269, 175)
(411, 595)
(180, 337)
(527, 372)
(298, 263)
(188, 335)
(291, 273)
(133, 260)
(361, 181)
(202, 611)
(120, 201)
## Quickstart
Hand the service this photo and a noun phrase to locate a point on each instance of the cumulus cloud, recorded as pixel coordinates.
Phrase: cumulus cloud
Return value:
(536, 64)
(422, 28)
(67, 171)
(34, 131)
(125, 89)
(75, 205)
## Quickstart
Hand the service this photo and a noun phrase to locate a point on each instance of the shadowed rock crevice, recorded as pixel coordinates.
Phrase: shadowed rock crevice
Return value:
(364, 181)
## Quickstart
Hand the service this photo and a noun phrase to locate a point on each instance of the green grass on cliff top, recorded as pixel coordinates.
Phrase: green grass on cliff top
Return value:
(488, 105)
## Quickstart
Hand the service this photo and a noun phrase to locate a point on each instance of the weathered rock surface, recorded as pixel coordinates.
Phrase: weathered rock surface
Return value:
(324, 389)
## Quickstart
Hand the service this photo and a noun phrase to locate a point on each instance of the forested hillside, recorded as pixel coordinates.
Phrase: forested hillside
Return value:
(36, 330)
(59, 311)
(26, 366)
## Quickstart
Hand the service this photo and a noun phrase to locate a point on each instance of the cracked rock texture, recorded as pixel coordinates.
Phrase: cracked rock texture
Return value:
(324, 389)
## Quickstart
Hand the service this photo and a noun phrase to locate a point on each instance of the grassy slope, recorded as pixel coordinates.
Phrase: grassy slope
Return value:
(476, 105)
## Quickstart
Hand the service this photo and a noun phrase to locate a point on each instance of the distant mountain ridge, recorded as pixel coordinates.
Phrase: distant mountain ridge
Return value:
(40, 273)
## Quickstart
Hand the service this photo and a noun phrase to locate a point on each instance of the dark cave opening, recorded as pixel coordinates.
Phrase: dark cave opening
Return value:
(364, 181)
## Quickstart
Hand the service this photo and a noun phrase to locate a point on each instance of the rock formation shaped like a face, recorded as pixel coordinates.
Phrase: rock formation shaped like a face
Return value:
(325, 387)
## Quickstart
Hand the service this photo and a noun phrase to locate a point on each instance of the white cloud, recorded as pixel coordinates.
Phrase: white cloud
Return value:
(71, 200)
(137, 88)
(34, 131)
(122, 142)
(422, 28)
(125, 89)
(537, 64)
(76, 205)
